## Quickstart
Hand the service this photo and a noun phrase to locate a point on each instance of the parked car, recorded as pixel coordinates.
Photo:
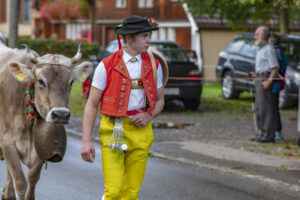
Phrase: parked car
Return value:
(184, 76)
(239, 58)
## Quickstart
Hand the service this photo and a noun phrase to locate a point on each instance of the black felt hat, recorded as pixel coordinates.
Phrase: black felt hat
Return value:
(136, 24)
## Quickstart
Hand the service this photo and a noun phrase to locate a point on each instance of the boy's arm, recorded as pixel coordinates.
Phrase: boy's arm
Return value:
(90, 113)
(160, 102)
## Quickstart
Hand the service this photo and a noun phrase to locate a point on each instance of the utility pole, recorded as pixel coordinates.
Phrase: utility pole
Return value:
(92, 15)
(13, 23)
(298, 124)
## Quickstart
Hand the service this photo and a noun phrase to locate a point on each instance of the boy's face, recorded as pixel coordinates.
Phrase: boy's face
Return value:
(140, 42)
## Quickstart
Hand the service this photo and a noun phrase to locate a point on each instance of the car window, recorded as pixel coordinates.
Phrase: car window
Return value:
(171, 51)
(292, 52)
(176, 55)
(235, 46)
(164, 46)
(248, 49)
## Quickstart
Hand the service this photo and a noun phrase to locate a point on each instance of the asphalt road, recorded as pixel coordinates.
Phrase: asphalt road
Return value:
(74, 179)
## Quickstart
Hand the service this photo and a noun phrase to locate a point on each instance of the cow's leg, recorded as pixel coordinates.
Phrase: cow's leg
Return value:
(15, 169)
(33, 177)
(9, 191)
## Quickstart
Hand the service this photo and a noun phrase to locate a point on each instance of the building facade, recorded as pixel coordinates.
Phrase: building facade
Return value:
(173, 22)
(25, 16)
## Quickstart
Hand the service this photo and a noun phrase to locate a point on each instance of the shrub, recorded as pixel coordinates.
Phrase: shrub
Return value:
(66, 48)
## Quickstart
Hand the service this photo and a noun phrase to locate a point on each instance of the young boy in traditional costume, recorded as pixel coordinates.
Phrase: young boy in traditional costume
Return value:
(130, 86)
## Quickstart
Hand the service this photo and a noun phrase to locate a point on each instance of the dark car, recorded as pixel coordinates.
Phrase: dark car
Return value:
(239, 58)
(184, 76)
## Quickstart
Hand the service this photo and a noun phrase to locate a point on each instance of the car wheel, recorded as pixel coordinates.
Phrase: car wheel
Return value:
(228, 88)
(191, 104)
(284, 101)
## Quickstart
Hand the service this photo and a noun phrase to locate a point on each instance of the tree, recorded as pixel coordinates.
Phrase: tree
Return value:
(239, 12)
(13, 23)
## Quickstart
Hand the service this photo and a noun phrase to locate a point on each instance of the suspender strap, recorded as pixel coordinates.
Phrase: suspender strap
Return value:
(153, 66)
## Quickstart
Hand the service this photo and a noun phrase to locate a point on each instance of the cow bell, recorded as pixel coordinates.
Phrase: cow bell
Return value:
(50, 141)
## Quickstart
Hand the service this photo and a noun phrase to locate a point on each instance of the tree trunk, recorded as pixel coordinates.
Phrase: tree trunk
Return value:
(13, 23)
(283, 21)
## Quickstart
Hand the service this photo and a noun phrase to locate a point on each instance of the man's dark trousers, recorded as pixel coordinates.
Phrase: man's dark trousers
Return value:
(265, 108)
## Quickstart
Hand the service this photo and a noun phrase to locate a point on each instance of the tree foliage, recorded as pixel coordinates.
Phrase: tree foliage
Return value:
(238, 12)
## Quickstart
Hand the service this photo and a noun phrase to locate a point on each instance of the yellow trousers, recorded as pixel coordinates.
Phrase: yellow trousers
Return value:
(124, 172)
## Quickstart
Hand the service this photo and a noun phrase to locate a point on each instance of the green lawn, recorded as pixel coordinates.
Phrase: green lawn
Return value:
(212, 99)
(77, 101)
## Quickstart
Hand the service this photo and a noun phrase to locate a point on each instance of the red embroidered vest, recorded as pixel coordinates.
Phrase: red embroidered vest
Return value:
(115, 97)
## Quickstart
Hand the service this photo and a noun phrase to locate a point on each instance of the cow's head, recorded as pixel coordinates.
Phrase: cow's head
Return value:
(53, 76)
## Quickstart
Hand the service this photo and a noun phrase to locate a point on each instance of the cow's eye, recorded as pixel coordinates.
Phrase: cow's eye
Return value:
(41, 83)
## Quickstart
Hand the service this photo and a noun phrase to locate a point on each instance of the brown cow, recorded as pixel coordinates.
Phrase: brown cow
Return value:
(52, 76)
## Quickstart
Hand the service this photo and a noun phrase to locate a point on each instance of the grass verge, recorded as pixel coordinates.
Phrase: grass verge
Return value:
(77, 101)
(213, 100)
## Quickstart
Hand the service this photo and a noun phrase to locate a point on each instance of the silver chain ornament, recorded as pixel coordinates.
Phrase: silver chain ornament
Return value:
(116, 141)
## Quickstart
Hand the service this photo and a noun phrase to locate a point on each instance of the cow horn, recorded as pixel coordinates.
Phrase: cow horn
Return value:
(31, 55)
(78, 55)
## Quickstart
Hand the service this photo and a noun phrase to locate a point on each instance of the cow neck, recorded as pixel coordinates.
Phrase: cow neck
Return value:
(30, 109)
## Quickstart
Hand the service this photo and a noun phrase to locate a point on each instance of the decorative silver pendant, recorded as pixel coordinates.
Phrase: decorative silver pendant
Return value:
(116, 141)
(124, 147)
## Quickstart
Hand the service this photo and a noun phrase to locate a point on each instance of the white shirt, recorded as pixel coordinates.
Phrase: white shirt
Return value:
(266, 59)
(137, 98)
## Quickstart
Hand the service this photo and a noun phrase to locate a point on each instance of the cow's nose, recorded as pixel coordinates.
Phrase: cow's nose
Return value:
(61, 114)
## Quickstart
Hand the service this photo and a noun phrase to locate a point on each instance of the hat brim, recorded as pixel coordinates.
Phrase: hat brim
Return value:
(122, 31)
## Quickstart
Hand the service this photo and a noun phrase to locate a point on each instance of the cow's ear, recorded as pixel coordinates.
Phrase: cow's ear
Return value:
(20, 71)
(82, 71)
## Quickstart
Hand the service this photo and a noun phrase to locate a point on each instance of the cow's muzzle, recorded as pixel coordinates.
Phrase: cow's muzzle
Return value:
(50, 141)
(58, 116)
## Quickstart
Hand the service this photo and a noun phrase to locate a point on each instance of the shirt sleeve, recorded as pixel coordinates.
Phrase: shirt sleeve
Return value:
(99, 80)
(159, 77)
(272, 58)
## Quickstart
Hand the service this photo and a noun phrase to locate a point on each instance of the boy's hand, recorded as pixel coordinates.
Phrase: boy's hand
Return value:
(88, 152)
(141, 119)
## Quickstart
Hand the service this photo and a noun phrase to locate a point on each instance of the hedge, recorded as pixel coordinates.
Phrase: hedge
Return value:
(66, 48)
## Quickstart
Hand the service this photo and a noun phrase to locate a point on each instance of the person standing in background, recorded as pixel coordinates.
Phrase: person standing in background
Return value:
(278, 85)
(266, 67)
